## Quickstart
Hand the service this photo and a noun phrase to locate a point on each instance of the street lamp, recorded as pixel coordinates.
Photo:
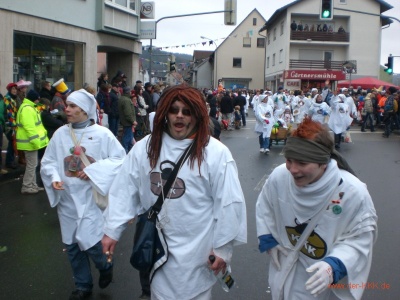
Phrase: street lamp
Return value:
(215, 60)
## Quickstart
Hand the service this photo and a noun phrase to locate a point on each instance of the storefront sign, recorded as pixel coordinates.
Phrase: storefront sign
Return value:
(314, 75)
(291, 84)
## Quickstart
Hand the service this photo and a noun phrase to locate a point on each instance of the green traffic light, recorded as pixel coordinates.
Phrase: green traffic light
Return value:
(389, 71)
(326, 14)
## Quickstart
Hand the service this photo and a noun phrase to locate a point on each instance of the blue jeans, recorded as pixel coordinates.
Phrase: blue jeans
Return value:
(127, 137)
(366, 118)
(243, 117)
(113, 123)
(81, 265)
(264, 142)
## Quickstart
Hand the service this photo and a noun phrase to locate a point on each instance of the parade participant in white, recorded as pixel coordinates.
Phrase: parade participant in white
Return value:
(319, 110)
(264, 122)
(313, 189)
(207, 190)
(339, 119)
(71, 188)
(279, 99)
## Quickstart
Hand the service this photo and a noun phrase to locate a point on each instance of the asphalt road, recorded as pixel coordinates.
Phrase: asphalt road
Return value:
(36, 267)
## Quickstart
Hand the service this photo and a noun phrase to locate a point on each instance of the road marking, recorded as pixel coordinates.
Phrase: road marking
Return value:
(260, 184)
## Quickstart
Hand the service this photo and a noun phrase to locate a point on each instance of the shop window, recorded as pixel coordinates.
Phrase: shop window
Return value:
(237, 62)
(38, 58)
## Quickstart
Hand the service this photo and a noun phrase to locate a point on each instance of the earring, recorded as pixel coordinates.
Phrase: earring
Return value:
(166, 120)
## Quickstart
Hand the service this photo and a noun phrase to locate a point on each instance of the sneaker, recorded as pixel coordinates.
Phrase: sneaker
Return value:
(105, 278)
(29, 190)
(38, 188)
(262, 150)
(266, 150)
(144, 296)
(79, 295)
(2, 171)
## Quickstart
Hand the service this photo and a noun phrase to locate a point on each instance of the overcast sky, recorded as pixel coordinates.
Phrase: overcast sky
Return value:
(187, 30)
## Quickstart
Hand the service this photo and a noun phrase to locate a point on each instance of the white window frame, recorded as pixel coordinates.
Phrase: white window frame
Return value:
(247, 42)
(126, 7)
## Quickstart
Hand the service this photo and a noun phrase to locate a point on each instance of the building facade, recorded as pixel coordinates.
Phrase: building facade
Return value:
(318, 51)
(239, 59)
(53, 39)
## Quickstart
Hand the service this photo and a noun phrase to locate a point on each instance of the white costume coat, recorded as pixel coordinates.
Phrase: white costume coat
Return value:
(348, 236)
(205, 211)
(318, 111)
(264, 112)
(339, 119)
(80, 219)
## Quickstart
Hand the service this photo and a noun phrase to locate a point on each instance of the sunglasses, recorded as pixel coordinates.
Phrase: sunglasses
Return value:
(175, 110)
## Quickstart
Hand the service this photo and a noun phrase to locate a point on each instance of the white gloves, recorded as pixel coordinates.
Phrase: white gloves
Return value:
(274, 252)
(320, 281)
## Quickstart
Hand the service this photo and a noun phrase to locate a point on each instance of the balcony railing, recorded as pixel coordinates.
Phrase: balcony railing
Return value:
(316, 64)
(319, 36)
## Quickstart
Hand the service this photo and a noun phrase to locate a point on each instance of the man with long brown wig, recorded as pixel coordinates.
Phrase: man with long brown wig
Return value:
(204, 213)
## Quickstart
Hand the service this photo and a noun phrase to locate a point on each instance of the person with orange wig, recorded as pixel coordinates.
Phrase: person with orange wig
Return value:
(203, 214)
(316, 220)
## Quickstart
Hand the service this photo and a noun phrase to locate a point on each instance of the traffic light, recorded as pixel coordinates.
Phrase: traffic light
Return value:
(172, 63)
(389, 65)
(230, 16)
(326, 10)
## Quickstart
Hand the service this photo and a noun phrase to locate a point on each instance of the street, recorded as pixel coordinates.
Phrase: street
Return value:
(35, 265)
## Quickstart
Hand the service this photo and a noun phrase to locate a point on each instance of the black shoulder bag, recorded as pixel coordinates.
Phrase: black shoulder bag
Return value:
(150, 249)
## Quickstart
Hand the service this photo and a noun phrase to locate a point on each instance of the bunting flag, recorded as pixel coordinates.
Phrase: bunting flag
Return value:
(210, 42)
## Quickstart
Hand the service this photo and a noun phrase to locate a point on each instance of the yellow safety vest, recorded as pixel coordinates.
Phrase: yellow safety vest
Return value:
(31, 134)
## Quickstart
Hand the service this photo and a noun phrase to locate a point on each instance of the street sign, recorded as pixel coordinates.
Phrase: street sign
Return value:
(147, 10)
(147, 30)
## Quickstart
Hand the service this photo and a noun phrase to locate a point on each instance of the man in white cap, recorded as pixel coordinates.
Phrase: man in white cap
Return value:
(80, 163)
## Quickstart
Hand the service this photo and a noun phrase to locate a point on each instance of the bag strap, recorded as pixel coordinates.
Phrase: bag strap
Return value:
(156, 208)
